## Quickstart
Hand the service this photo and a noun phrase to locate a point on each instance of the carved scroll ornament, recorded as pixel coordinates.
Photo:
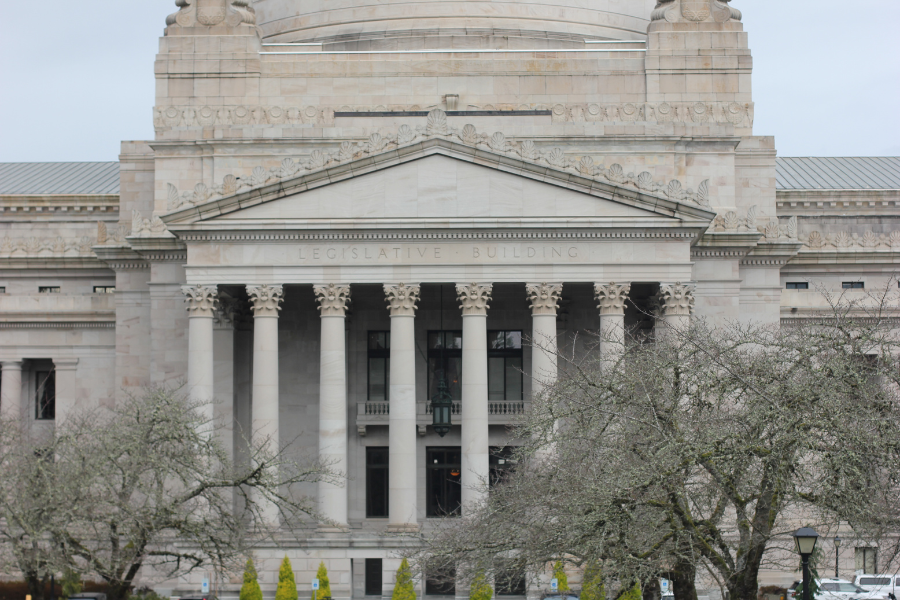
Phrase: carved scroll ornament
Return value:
(676, 299)
(474, 297)
(544, 297)
(333, 299)
(402, 298)
(265, 299)
(611, 297)
(200, 299)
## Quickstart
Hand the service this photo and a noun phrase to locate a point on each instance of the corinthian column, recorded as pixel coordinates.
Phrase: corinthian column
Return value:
(266, 302)
(333, 300)
(201, 306)
(544, 299)
(611, 299)
(473, 300)
(676, 303)
(402, 510)
(11, 390)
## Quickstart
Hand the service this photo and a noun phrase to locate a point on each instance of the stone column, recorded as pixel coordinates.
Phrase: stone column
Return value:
(223, 370)
(611, 299)
(402, 510)
(11, 390)
(676, 303)
(473, 299)
(201, 307)
(66, 387)
(544, 298)
(266, 302)
(333, 300)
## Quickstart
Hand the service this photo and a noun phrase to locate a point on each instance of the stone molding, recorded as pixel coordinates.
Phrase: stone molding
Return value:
(36, 247)
(474, 297)
(399, 236)
(773, 229)
(676, 299)
(544, 297)
(58, 325)
(611, 297)
(843, 241)
(332, 298)
(265, 299)
(209, 13)
(402, 298)
(739, 114)
(201, 300)
(436, 127)
(694, 11)
(153, 227)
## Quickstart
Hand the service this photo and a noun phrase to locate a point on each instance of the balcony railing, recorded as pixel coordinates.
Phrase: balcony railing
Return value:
(500, 412)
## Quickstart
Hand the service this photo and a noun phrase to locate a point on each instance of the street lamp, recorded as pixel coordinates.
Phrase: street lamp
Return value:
(837, 546)
(441, 403)
(805, 540)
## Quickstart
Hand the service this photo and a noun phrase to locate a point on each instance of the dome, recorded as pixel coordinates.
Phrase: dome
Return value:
(401, 24)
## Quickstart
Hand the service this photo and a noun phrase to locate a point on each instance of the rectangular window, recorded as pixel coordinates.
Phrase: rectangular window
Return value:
(373, 577)
(509, 579)
(445, 360)
(797, 285)
(2, 289)
(48, 289)
(501, 463)
(505, 365)
(376, 482)
(854, 285)
(104, 289)
(379, 366)
(45, 395)
(443, 466)
(441, 584)
(867, 560)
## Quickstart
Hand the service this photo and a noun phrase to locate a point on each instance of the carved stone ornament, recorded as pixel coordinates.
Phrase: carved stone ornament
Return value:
(611, 297)
(333, 299)
(544, 297)
(676, 299)
(209, 13)
(402, 298)
(141, 227)
(474, 297)
(200, 299)
(266, 299)
(437, 127)
(694, 11)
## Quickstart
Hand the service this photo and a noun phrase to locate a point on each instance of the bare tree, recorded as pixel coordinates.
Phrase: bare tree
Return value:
(700, 451)
(155, 489)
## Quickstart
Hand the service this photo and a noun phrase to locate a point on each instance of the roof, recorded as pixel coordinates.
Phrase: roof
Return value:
(68, 178)
(813, 173)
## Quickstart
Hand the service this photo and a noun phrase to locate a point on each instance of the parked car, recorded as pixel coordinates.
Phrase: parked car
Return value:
(881, 583)
(88, 596)
(560, 596)
(199, 597)
(832, 588)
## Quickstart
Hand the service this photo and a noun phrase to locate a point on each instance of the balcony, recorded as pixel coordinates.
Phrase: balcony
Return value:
(500, 412)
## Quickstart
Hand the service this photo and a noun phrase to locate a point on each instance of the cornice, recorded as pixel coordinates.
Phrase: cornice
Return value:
(58, 324)
(51, 262)
(842, 203)
(772, 253)
(36, 205)
(121, 258)
(414, 236)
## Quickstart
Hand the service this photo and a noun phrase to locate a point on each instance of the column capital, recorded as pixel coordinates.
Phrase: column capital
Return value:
(544, 297)
(333, 299)
(11, 365)
(65, 364)
(402, 298)
(474, 297)
(611, 297)
(676, 299)
(265, 299)
(200, 299)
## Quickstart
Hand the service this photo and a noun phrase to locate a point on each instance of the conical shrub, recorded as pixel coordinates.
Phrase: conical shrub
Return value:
(633, 593)
(404, 588)
(324, 590)
(560, 575)
(287, 587)
(593, 587)
(250, 589)
(480, 588)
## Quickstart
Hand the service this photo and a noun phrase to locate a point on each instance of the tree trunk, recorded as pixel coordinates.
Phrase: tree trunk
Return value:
(744, 584)
(35, 586)
(650, 590)
(117, 590)
(684, 580)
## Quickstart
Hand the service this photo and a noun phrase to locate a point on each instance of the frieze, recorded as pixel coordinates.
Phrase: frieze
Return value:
(722, 113)
(436, 126)
(47, 246)
(772, 230)
(843, 241)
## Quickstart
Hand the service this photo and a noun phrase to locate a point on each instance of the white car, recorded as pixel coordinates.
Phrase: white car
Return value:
(840, 589)
(882, 583)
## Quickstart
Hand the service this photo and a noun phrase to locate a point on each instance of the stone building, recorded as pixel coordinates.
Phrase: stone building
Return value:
(349, 197)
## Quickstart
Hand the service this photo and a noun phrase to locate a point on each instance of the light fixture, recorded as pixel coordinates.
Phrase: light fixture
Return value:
(805, 540)
(442, 401)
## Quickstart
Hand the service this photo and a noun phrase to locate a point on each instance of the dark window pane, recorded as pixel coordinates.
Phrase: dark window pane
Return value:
(376, 482)
(513, 378)
(797, 285)
(379, 375)
(453, 340)
(441, 584)
(496, 385)
(497, 340)
(854, 285)
(501, 463)
(509, 580)
(45, 400)
(373, 577)
(513, 340)
(443, 481)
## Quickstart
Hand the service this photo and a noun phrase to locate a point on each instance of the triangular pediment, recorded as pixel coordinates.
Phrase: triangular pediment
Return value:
(438, 183)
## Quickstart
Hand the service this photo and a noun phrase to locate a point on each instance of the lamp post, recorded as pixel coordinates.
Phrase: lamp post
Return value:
(837, 546)
(805, 540)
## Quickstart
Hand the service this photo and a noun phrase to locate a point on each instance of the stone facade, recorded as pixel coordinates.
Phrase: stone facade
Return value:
(325, 171)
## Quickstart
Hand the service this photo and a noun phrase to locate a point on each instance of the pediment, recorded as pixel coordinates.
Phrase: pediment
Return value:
(439, 183)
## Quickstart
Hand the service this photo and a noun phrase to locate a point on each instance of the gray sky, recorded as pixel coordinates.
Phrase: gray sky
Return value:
(76, 77)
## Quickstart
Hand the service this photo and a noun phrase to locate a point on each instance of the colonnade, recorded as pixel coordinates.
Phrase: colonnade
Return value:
(675, 305)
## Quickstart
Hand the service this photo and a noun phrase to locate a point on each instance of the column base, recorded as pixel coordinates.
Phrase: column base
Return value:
(403, 528)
